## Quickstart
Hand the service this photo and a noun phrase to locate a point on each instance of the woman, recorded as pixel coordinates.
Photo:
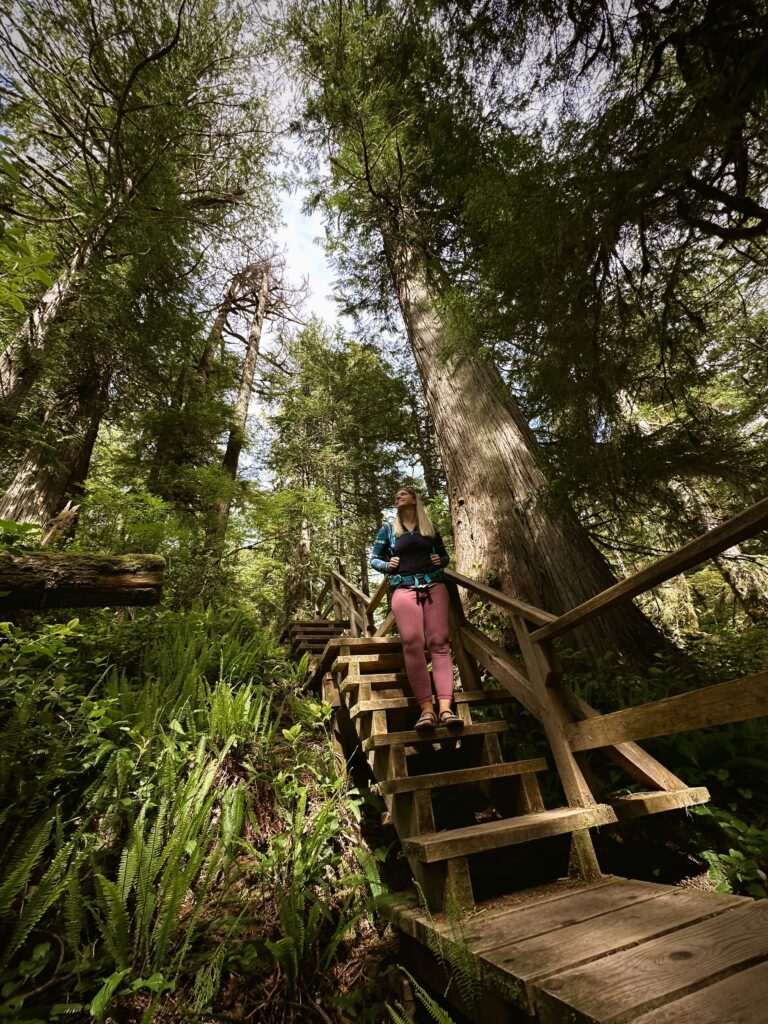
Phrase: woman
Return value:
(413, 555)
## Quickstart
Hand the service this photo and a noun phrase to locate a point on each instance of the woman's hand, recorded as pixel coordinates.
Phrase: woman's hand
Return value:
(393, 563)
(435, 560)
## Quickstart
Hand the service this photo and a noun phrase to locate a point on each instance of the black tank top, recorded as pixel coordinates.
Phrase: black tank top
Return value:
(413, 550)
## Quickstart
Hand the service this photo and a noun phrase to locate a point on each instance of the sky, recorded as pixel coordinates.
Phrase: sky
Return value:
(302, 235)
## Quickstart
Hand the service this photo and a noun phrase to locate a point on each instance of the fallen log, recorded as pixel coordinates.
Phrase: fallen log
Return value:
(43, 580)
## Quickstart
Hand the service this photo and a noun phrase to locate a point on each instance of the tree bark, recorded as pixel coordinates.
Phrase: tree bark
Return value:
(427, 446)
(53, 471)
(239, 417)
(45, 580)
(496, 478)
(217, 331)
(20, 361)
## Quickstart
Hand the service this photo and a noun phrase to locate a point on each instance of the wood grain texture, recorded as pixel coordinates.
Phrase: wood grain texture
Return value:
(441, 733)
(479, 697)
(740, 999)
(491, 835)
(734, 701)
(42, 579)
(513, 604)
(606, 933)
(635, 805)
(635, 761)
(501, 665)
(462, 776)
(623, 985)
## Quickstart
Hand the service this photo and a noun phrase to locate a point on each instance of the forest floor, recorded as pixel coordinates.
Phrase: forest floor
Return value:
(178, 845)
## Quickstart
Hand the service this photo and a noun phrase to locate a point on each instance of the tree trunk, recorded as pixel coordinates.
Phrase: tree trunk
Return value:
(239, 418)
(496, 478)
(43, 580)
(54, 470)
(217, 331)
(427, 446)
(20, 362)
(365, 580)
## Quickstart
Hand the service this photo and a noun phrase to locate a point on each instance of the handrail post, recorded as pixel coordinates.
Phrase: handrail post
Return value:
(469, 671)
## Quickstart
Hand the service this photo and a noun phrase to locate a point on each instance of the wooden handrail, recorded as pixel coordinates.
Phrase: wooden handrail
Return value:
(513, 604)
(734, 701)
(379, 595)
(356, 591)
(737, 528)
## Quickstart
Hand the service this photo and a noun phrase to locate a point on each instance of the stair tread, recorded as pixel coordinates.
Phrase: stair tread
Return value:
(461, 776)
(459, 697)
(383, 680)
(634, 805)
(489, 835)
(442, 732)
(390, 659)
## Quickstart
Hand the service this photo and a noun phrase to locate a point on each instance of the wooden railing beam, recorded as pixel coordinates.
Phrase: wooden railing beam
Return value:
(379, 596)
(512, 604)
(746, 524)
(350, 587)
(736, 701)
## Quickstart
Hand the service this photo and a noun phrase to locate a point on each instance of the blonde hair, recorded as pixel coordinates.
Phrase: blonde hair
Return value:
(425, 524)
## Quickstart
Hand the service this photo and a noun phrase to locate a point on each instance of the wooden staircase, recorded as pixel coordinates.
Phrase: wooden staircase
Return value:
(311, 636)
(366, 683)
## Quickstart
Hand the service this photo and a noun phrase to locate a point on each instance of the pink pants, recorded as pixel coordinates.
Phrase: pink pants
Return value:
(423, 615)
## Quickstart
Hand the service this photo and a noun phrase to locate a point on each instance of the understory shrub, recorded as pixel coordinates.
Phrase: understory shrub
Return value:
(175, 838)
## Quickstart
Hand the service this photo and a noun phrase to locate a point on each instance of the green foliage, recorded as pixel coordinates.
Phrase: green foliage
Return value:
(18, 537)
(436, 1012)
(152, 809)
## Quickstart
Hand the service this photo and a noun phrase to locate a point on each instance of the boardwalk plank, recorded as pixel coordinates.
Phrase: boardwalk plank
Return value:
(551, 916)
(621, 986)
(740, 999)
(606, 933)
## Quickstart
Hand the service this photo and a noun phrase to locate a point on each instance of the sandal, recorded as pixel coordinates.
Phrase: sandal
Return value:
(427, 722)
(451, 720)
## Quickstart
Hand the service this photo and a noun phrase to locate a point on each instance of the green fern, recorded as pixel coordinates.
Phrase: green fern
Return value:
(398, 1012)
(24, 860)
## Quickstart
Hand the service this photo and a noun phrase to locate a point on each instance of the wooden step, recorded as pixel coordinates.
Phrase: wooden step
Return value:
(491, 835)
(320, 634)
(377, 680)
(318, 623)
(635, 805)
(374, 661)
(442, 732)
(461, 776)
(460, 697)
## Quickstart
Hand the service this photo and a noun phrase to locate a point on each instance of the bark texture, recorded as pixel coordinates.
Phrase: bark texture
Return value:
(496, 478)
(54, 469)
(239, 418)
(44, 580)
(20, 361)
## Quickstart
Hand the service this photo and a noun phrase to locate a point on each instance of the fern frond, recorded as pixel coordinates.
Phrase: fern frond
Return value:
(22, 864)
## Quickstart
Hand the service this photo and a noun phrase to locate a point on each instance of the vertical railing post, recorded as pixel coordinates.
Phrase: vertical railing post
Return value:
(469, 670)
(545, 672)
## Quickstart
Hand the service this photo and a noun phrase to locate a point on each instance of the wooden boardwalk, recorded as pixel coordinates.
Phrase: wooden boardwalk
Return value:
(613, 951)
(585, 949)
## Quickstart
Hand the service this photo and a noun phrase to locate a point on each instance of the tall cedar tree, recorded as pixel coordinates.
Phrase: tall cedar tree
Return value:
(378, 80)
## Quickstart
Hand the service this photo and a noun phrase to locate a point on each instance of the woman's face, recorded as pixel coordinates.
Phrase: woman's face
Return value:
(404, 500)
